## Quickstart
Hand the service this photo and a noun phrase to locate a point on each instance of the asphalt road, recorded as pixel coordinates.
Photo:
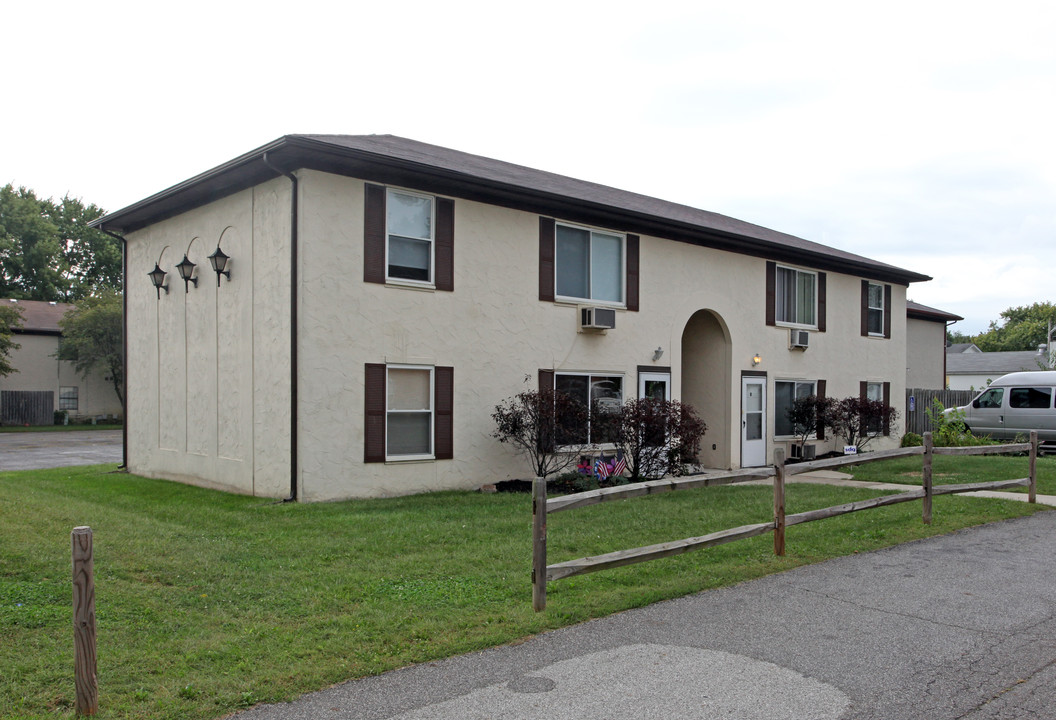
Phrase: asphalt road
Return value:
(36, 450)
(961, 626)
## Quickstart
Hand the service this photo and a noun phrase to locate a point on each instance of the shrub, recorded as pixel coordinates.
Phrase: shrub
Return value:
(657, 437)
(809, 414)
(858, 420)
(949, 429)
(540, 425)
(912, 439)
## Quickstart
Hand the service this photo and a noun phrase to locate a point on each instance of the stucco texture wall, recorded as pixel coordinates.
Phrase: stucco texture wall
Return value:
(925, 354)
(209, 366)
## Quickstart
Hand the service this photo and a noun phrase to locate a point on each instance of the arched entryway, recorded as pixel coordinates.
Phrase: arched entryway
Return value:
(706, 368)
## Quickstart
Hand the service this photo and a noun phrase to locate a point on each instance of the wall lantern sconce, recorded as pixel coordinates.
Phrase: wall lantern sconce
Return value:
(757, 359)
(186, 269)
(658, 353)
(157, 276)
(219, 261)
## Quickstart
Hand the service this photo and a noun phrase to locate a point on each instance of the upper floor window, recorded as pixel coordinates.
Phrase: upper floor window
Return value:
(409, 228)
(589, 265)
(796, 296)
(875, 309)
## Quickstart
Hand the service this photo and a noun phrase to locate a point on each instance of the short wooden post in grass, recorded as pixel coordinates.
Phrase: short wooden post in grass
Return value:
(1032, 491)
(84, 671)
(539, 544)
(925, 474)
(779, 501)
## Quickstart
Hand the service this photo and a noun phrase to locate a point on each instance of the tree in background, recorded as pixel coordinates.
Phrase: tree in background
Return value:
(10, 318)
(1023, 328)
(91, 337)
(48, 252)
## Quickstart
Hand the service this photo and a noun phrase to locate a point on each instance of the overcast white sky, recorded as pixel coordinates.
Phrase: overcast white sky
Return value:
(917, 133)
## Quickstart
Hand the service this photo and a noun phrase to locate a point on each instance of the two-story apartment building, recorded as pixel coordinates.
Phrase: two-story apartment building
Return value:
(382, 295)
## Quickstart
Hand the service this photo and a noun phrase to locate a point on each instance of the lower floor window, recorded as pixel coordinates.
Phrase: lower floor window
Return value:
(409, 411)
(786, 392)
(67, 398)
(874, 392)
(598, 393)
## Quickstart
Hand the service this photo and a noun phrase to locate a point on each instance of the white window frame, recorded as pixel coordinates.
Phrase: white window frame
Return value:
(869, 308)
(623, 267)
(777, 411)
(431, 455)
(590, 378)
(431, 281)
(787, 323)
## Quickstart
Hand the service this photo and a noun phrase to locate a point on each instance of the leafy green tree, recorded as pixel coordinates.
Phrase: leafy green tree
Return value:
(91, 337)
(10, 318)
(1022, 328)
(48, 252)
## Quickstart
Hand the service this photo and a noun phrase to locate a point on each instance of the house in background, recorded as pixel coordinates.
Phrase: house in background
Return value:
(926, 345)
(974, 370)
(43, 383)
(379, 296)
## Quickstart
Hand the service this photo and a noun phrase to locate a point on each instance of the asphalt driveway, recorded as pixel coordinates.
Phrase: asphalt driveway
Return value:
(36, 450)
(955, 627)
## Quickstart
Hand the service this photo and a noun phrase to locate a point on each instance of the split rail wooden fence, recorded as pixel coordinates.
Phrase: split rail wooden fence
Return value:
(542, 573)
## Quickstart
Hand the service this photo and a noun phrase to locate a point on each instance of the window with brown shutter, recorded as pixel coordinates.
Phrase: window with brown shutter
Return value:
(408, 238)
(580, 264)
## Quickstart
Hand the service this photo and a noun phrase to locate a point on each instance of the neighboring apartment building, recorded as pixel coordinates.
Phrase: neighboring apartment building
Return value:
(383, 295)
(55, 383)
(968, 368)
(926, 345)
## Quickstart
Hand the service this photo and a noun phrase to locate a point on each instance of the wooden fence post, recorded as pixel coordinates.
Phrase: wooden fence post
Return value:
(779, 501)
(1032, 492)
(539, 544)
(929, 446)
(84, 672)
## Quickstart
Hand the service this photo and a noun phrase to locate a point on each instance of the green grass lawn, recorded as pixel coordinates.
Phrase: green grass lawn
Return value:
(208, 602)
(948, 469)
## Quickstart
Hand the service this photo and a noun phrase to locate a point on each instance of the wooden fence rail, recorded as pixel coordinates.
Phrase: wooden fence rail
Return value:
(542, 506)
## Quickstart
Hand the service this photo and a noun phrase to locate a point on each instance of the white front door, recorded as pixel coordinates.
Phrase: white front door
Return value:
(753, 421)
(656, 386)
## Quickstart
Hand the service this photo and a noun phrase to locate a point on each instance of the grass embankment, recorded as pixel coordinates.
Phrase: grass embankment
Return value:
(951, 470)
(208, 602)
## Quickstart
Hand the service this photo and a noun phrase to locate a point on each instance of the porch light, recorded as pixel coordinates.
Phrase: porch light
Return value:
(756, 359)
(157, 276)
(219, 261)
(658, 353)
(186, 269)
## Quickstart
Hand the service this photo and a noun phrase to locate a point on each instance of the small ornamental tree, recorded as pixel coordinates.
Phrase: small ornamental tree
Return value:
(808, 415)
(544, 426)
(657, 437)
(858, 420)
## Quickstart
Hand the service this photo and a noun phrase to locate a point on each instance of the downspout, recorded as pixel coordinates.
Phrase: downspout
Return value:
(945, 376)
(124, 347)
(293, 327)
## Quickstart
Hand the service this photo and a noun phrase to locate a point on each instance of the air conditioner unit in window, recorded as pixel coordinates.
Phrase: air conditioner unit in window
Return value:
(798, 339)
(597, 318)
(803, 452)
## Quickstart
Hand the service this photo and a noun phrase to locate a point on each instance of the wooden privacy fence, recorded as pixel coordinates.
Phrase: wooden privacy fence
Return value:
(542, 573)
(918, 400)
(27, 407)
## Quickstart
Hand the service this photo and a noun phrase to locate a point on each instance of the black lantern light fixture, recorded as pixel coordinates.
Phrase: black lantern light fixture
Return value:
(157, 276)
(186, 269)
(219, 261)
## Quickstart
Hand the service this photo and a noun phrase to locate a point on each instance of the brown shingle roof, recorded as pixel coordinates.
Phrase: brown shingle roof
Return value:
(39, 316)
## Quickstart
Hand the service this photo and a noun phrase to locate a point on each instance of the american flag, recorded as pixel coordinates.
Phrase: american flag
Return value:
(601, 469)
(619, 466)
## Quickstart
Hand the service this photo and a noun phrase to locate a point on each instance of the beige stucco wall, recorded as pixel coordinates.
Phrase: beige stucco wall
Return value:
(925, 354)
(492, 330)
(208, 375)
(39, 369)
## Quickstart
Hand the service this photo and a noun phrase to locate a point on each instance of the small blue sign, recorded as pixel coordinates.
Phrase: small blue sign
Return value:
(912, 403)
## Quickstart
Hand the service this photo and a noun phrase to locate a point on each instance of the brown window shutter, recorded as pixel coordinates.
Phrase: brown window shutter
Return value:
(546, 258)
(887, 312)
(819, 427)
(863, 396)
(821, 302)
(444, 275)
(771, 293)
(374, 234)
(546, 380)
(887, 404)
(865, 308)
(374, 432)
(443, 424)
(633, 243)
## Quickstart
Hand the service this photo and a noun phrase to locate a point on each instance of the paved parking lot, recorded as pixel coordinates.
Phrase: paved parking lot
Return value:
(36, 450)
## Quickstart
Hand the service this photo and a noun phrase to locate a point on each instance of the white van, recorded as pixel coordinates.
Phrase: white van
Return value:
(1013, 405)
